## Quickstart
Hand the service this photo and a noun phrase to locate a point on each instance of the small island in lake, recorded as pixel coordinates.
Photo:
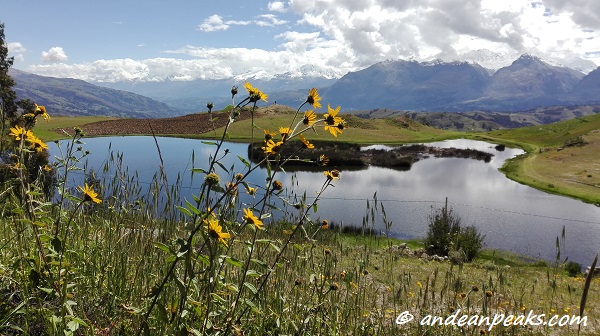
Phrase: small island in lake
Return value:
(341, 154)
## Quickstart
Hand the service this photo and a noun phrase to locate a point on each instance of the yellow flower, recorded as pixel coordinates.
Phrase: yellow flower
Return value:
(42, 110)
(335, 130)
(216, 231)
(47, 168)
(37, 144)
(250, 218)
(285, 132)
(333, 123)
(254, 93)
(277, 185)
(323, 160)
(331, 118)
(89, 195)
(309, 118)
(19, 132)
(325, 224)
(332, 175)
(231, 188)
(272, 147)
(313, 98)
(305, 143)
(251, 191)
(212, 179)
(269, 135)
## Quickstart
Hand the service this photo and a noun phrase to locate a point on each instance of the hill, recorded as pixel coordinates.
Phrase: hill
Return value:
(73, 97)
(479, 121)
(561, 158)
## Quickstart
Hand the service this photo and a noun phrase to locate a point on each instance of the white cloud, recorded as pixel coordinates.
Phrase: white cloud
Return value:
(213, 23)
(55, 54)
(585, 13)
(16, 47)
(16, 50)
(276, 6)
(381, 29)
(268, 20)
(337, 36)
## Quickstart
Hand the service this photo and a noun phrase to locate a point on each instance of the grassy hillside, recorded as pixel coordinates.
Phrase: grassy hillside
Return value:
(562, 157)
(363, 131)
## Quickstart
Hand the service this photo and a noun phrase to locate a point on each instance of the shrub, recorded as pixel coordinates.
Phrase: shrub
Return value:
(445, 235)
(573, 268)
(444, 227)
(470, 241)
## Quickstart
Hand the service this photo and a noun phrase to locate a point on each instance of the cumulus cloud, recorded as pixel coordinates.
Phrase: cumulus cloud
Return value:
(16, 50)
(276, 6)
(213, 23)
(337, 36)
(16, 47)
(585, 13)
(55, 54)
(381, 29)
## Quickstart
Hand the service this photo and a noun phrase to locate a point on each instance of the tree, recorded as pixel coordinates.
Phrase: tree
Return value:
(8, 105)
(20, 113)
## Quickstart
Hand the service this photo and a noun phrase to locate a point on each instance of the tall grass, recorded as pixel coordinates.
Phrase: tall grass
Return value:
(143, 261)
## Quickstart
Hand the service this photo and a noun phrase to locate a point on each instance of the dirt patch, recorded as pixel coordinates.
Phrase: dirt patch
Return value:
(197, 123)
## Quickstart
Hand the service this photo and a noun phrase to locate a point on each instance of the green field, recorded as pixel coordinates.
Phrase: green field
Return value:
(361, 131)
(50, 131)
(557, 160)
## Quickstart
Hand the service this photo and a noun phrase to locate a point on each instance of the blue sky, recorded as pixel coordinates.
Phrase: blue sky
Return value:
(184, 40)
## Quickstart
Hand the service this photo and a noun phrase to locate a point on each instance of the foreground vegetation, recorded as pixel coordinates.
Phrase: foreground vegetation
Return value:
(113, 257)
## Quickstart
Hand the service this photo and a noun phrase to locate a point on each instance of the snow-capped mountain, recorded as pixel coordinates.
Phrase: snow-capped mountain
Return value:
(305, 71)
(496, 60)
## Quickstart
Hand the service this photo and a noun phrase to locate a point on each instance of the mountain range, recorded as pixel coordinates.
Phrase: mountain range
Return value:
(527, 83)
(74, 97)
(455, 86)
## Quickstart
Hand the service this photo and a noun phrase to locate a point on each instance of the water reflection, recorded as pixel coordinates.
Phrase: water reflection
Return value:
(512, 216)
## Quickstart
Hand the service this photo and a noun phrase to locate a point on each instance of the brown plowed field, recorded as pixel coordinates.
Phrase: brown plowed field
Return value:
(189, 124)
(196, 123)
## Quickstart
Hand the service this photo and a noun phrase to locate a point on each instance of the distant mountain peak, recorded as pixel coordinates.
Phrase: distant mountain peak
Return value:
(529, 59)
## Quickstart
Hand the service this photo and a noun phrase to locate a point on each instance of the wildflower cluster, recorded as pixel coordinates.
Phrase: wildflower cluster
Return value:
(28, 153)
(220, 223)
(331, 122)
(21, 134)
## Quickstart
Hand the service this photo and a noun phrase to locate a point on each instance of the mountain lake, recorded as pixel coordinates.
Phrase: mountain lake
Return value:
(512, 216)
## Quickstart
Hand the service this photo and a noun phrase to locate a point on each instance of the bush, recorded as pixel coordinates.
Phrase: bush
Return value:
(573, 268)
(470, 241)
(445, 235)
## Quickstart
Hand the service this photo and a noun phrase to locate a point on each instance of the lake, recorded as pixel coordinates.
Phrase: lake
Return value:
(512, 216)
